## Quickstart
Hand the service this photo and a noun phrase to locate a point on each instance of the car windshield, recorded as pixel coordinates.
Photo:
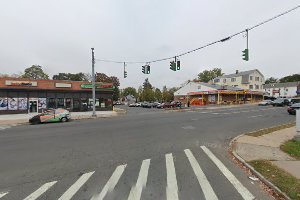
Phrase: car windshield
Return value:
(149, 99)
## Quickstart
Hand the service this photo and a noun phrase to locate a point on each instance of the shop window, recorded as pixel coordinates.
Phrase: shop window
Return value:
(233, 79)
(60, 103)
(68, 103)
(76, 105)
(250, 86)
(257, 87)
(217, 80)
(251, 78)
(51, 103)
(84, 104)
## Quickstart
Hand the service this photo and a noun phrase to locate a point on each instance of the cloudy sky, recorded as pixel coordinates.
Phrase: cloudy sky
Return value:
(59, 34)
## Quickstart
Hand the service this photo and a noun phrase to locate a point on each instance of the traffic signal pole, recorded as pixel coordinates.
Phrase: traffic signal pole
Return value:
(93, 84)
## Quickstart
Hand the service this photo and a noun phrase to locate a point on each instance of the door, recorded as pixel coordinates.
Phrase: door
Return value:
(33, 106)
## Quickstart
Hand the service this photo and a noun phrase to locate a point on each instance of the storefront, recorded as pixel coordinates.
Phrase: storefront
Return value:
(32, 96)
(224, 97)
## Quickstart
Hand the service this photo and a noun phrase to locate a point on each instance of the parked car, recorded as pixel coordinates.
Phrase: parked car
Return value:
(155, 104)
(132, 105)
(138, 104)
(281, 102)
(292, 109)
(294, 100)
(161, 105)
(51, 115)
(265, 103)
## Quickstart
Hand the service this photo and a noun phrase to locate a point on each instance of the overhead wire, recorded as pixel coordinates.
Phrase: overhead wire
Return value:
(207, 45)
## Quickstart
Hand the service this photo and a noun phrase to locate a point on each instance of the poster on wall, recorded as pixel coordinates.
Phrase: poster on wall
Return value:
(22, 103)
(3, 103)
(42, 103)
(12, 103)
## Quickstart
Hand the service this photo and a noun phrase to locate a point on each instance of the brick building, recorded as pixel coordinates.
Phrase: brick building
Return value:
(25, 95)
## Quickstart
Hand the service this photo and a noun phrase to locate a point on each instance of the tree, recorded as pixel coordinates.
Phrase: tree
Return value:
(158, 94)
(208, 75)
(35, 72)
(72, 77)
(101, 77)
(271, 80)
(129, 91)
(291, 78)
(147, 84)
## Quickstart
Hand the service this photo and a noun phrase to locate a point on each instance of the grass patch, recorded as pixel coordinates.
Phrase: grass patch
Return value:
(271, 129)
(292, 147)
(283, 180)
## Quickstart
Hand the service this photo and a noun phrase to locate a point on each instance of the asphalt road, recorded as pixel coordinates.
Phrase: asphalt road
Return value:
(146, 154)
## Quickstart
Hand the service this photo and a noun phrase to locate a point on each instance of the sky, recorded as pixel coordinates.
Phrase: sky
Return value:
(59, 34)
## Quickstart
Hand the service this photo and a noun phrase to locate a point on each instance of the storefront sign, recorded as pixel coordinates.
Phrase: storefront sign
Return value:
(63, 85)
(98, 86)
(276, 91)
(21, 83)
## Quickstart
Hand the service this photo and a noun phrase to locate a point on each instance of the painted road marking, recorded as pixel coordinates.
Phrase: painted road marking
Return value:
(215, 113)
(2, 194)
(76, 186)
(206, 187)
(4, 127)
(136, 191)
(255, 116)
(40, 191)
(172, 188)
(111, 183)
(233, 180)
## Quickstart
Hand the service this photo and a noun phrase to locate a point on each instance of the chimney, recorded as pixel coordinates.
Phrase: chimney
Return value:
(236, 71)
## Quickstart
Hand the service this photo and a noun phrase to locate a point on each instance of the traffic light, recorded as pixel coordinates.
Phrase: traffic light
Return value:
(246, 54)
(125, 74)
(178, 64)
(143, 69)
(173, 65)
(148, 69)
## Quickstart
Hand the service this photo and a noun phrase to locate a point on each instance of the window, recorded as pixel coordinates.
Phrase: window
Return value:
(251, 78)
(250, 86)
(286, 89)
(224, 80)
(51, 103)
(217, 80)
(233, 79)
(60, 103)
(257, 87)
(68, 103)
(256, 78)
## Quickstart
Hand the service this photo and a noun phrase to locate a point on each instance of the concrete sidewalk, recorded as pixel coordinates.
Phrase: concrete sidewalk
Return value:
(23, 118)
(267, 147)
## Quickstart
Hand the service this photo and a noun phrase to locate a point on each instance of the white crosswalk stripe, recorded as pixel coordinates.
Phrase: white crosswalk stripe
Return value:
(233, 180)
(36, 194)
(204, 183)
(76, 186)
(4, 127)
(172, 188)
(136, 191)
(111, 183)
(2, 194)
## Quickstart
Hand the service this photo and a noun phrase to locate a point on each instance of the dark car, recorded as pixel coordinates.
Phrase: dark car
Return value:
(292, 109)
(281, 102)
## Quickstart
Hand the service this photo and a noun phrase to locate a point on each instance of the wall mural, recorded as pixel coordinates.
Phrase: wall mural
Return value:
(3, 103)
(22, 103)
(12, 103)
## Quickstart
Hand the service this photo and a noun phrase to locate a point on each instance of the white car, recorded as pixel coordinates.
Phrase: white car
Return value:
(138, 104)
(265, 103)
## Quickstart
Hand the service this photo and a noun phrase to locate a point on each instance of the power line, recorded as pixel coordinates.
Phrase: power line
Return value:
(207, 45)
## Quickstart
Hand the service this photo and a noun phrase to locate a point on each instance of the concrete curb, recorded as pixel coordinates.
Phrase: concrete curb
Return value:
(256, 173)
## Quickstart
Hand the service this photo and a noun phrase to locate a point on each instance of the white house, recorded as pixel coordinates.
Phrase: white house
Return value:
(247, 80)
(288, 89)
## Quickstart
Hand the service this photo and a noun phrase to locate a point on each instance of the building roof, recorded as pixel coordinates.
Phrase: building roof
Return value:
(240, 74)
(278, 85)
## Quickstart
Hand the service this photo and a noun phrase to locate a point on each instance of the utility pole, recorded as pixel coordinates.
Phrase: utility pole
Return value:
(93, 84)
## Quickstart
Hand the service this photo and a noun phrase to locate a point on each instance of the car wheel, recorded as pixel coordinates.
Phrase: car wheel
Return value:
(63, 119)
(36, 121)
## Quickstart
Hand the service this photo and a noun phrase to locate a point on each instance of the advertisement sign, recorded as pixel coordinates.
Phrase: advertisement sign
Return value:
(12, 103)
(42, 103)
(22, 103)
(21, 83)
(3, 103)
(99, 86)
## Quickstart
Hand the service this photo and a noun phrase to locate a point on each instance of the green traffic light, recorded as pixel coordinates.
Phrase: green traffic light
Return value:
(246, 54)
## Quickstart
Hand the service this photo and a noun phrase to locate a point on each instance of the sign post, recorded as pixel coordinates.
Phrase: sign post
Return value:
(93, 83)
(297, 136)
